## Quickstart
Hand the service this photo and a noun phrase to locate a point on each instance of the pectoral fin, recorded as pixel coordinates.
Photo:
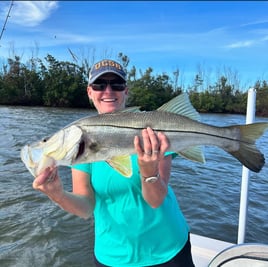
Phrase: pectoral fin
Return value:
(194, 154)
(122, 164)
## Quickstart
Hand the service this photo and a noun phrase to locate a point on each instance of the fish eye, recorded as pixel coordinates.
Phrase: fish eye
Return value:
(44, 140)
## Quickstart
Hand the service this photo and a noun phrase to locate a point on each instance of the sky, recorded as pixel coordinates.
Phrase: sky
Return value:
(208, 38)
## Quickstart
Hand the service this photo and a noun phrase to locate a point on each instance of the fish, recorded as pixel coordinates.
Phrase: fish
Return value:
(109, 137)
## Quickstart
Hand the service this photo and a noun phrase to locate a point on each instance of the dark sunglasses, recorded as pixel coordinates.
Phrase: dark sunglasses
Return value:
(101, 85)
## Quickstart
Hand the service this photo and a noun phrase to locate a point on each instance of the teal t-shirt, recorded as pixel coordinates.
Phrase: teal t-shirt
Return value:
(128, 232)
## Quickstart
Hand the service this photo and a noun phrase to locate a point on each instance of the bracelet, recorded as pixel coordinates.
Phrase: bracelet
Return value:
(151, 179)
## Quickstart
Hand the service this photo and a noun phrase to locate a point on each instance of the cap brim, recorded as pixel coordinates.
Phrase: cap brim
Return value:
(104, 72)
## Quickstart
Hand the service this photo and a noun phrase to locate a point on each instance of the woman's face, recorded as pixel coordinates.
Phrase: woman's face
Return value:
(108, 100)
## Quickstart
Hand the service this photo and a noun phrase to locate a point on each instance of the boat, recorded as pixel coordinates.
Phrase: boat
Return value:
(209, 252)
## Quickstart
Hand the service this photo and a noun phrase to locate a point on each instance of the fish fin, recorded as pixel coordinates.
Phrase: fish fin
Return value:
(131, 109)
(248, 154)
(194, 154)
(122, 164)
(181, 105)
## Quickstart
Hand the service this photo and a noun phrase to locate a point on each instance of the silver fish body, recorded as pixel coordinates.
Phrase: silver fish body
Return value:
(109, 137)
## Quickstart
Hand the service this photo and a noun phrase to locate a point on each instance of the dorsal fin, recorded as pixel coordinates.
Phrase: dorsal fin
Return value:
(181, 105)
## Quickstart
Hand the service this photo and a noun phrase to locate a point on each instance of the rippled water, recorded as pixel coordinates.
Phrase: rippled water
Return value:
(36, 232)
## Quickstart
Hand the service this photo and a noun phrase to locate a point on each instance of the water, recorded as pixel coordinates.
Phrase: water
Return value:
(36, 232)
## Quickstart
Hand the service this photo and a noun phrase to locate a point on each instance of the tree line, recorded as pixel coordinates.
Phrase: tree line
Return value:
(54, 83)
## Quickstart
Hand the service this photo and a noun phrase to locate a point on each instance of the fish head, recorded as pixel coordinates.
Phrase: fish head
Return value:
(62, 148)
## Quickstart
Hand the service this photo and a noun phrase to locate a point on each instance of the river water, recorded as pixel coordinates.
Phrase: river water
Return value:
(36, 232)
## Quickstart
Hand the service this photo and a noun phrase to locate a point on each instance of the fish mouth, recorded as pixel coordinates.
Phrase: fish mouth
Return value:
(27, 159)
(34, 161)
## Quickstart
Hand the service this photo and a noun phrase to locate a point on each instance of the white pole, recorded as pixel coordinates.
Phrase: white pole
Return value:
(250, 118)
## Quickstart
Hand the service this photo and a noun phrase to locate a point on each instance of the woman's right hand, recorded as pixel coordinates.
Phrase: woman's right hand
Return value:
(50, 184)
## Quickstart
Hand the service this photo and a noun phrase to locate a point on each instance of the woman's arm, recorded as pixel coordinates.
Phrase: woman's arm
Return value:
(80, 202)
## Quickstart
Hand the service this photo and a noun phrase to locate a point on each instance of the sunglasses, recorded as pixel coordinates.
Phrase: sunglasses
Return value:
(101, 85)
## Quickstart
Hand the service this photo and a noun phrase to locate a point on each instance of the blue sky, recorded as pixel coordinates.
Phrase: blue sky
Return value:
(210, 38)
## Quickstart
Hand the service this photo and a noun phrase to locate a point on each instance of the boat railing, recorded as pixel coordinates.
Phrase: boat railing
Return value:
(243, 210)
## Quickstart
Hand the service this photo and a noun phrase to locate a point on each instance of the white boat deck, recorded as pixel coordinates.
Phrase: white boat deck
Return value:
(204, 249)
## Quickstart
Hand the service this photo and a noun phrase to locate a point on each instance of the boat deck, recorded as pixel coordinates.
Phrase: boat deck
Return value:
(204, 249)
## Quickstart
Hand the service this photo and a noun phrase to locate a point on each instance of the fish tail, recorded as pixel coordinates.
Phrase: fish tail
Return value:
(248, 154)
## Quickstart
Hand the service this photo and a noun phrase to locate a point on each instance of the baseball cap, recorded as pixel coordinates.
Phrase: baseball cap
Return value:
(106, 66)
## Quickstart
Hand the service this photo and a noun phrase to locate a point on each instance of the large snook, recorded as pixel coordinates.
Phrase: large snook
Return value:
(109, 137)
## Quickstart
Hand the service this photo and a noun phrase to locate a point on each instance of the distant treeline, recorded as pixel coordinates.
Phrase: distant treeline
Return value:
(54, 83)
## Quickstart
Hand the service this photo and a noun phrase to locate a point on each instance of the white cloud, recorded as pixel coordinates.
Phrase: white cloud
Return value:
(249, 43)
(256, 22)
(241, 44)
(30, 13)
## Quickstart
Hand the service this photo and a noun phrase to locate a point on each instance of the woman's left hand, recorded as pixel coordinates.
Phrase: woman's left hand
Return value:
(154, 147)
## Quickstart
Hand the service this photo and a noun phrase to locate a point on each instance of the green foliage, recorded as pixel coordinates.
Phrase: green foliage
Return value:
(150, 92)
(56, 83)
(262, 98)
(63, 84)
(219, 98)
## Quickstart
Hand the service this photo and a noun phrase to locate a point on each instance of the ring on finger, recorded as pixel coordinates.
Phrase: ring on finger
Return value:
(155, 151)
(148, 153)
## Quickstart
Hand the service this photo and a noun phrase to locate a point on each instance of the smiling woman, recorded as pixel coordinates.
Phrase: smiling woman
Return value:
(135, 183)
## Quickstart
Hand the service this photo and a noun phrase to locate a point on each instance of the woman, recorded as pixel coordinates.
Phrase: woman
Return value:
(137, 221)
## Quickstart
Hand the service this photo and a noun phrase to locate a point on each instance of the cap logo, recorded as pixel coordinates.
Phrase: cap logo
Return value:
(106, 66)
(107, 63)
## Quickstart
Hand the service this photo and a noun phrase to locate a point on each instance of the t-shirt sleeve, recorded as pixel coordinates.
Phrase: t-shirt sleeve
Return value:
(84, 167)
(173, 154)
